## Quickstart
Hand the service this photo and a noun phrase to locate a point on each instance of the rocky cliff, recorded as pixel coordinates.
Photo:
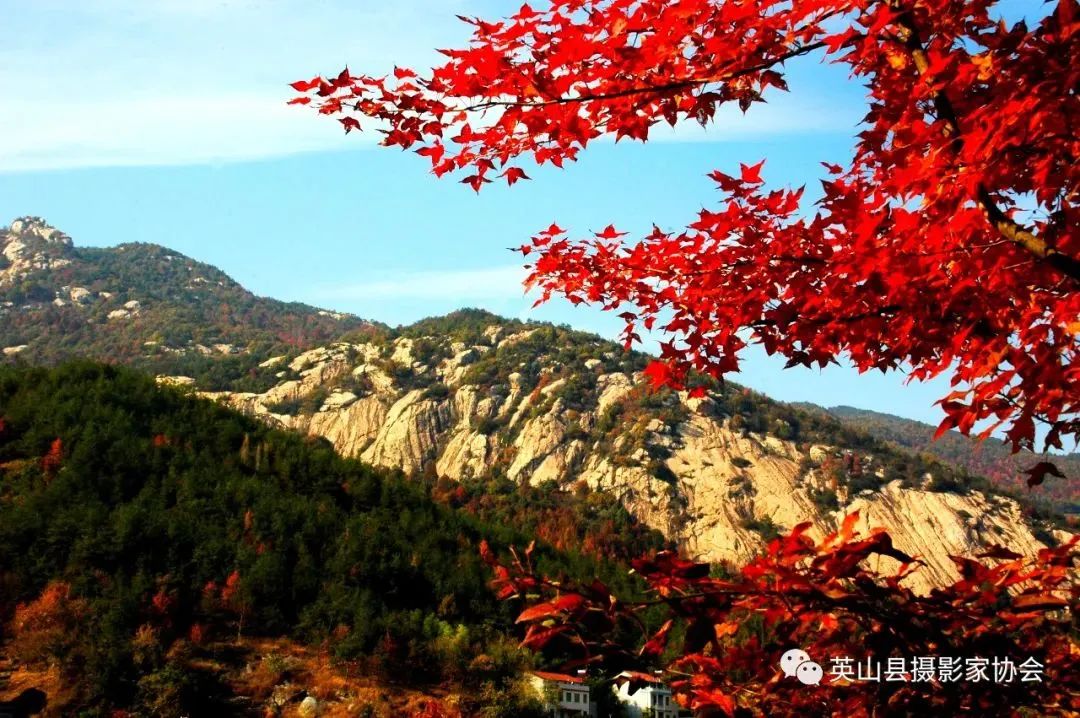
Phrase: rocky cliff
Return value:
(720, 474)
(30, 245)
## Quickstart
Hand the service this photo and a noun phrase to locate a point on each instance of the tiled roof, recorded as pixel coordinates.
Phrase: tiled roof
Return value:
(560, 677)
(638, 676)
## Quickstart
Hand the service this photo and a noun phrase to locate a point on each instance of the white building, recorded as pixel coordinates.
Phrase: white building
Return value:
(645, 695)
(564, 695)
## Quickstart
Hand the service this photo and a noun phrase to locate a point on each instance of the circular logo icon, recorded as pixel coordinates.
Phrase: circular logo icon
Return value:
(809, 673)
(790, 661)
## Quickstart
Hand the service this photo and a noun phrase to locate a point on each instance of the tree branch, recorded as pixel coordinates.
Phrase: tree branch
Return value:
(666, 87)
(1005, 225)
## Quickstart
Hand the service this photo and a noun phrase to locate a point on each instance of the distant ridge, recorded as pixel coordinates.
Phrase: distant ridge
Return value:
(991, 458)
(142, 304)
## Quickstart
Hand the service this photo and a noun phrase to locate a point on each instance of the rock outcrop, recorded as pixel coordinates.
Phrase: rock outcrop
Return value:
(30, 245)
(514, 406)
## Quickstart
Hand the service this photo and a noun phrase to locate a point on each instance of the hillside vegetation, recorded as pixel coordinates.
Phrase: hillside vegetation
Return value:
(145, 305)
(990, 458)
(145, 534)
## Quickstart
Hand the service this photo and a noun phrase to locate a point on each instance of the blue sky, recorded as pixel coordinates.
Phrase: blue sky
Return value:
(164, 121)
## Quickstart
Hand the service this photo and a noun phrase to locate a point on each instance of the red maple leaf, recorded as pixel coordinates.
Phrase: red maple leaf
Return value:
(912, 257)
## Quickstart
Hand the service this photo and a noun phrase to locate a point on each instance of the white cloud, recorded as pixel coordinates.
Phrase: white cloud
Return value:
(166, 82)
(160, 131)
(459, 285)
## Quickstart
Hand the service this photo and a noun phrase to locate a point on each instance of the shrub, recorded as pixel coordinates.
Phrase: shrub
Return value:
(763, 526)
(436, 391)
(488, 425)
(825, 499)
(46, 630)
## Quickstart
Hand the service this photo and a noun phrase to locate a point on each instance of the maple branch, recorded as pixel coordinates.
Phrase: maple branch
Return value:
(1009, 228)
(1017, 234)
(666, 87)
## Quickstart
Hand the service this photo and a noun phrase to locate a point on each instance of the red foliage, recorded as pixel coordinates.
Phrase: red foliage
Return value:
(946, 244)
(435, 709)
(42, 612)
(823, 599)
(45, 629)
(234, 597)
(1037, 473)
(52, 461)
(230, 591)
(162, 604)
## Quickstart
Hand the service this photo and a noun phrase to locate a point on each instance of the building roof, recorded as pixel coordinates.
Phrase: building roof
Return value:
(638, 676)
(560, 677)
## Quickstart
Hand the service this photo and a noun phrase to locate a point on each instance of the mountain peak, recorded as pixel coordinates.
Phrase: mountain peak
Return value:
(30, 227)
(142, 303)
(31, 244)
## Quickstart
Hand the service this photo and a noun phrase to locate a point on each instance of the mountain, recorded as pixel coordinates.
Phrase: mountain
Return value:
(473, 398)
(478, 406)
(166, 556)
(991, 458)
(145, 305)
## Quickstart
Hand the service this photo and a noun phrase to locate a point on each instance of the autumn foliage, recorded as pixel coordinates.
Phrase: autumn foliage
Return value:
(946, 244)
(53, 459)
(724, 637)
(46, 629)
(231, 596)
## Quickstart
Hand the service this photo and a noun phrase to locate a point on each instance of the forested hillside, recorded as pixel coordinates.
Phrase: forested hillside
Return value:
(143, 304)
(991, 458)
(146, 534)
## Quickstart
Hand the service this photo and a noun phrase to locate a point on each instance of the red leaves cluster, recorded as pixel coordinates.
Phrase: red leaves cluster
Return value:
(228, 595)
(163, 603)
(231, 590)
(946, 245)
(821, 598)
(45, 629)
(231, 595)
(53, 459)
(46, 610)
(1038, 473)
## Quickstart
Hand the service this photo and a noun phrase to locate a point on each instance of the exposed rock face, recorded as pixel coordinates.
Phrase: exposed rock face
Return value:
(29, 245)
(683, 467)
(409, 435)
(353, 427)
